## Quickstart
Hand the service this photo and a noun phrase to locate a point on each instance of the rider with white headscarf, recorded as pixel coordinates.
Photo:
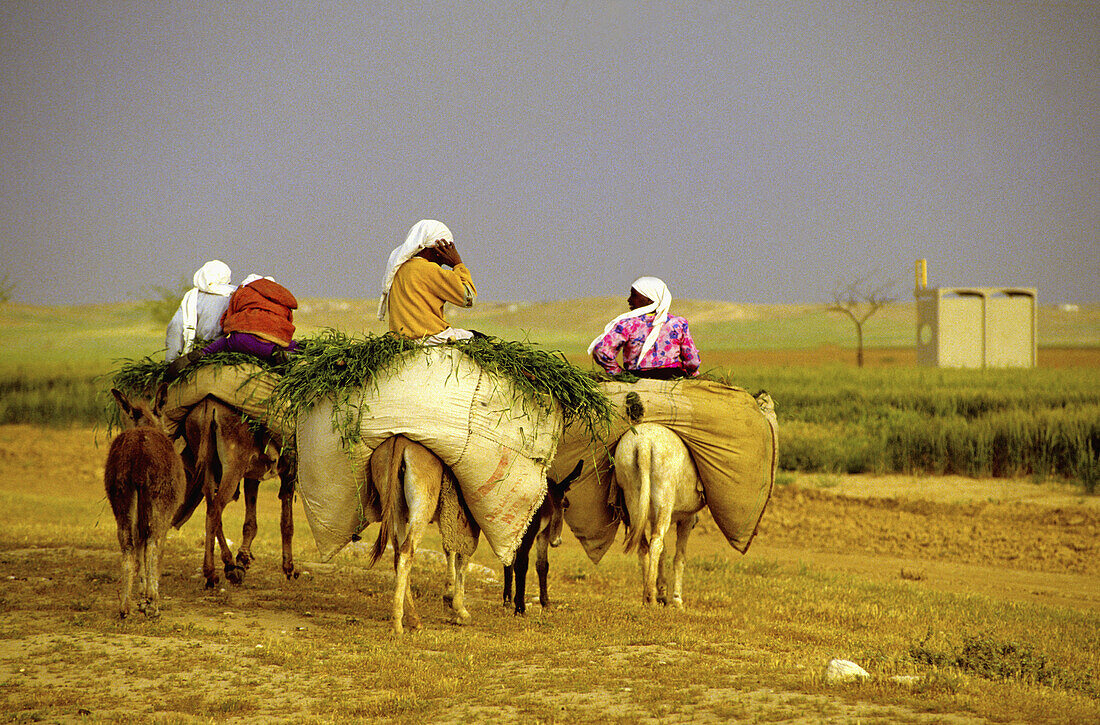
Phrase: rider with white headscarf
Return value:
(417, 285)
(654, 344)
(199, 314)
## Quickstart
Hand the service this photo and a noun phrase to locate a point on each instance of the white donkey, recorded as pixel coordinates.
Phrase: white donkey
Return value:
(660, 487)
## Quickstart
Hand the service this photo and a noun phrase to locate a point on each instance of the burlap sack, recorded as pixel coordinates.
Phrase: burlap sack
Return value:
(734, 444)
(244, 387)
(497, 446)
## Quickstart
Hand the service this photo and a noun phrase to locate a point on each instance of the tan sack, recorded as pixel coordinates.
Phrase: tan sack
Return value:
(244, 387)
(733, 442)
(497, 445)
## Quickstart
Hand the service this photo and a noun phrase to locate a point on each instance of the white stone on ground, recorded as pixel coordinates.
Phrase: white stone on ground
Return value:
(844, 671)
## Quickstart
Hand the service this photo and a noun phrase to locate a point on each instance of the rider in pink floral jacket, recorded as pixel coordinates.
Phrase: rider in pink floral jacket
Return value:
(654, 344)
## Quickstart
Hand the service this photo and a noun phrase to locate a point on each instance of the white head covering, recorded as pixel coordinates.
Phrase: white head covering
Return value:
(211, 278)
(656, 290)
(253, 277)
(424, 234)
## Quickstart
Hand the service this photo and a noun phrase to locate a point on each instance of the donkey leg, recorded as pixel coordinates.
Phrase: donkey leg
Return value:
(248, 531)
(215, 506)
(662, 581)
(509, 572)
(409, 613)
(423, 475)
(286, 523)
(213, 520)
(458, 601)
(449, 592)
(683, 531)
(643, 565)
(656, 551)
(402, 592)
(141, 566)
(421, 510)
(523, 560)
(129, 569)
(227, 492)
(542, 564)
(152, 576)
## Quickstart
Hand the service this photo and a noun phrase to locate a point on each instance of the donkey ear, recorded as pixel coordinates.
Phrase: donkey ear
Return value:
(160, 398)
(122, 400)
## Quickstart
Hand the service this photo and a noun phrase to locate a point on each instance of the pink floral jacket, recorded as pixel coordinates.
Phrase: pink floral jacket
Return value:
(673, 349)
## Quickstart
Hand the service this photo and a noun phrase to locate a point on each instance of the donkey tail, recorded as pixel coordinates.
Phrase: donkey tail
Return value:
(388, 491)
(643, 464)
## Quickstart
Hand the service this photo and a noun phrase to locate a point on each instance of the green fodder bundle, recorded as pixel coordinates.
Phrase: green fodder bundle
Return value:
(334, 365)
(536, 373)
(138, 377)
(141, 377)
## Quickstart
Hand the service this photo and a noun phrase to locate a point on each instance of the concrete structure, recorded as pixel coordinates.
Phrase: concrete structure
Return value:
(975, 327)
(986, 327)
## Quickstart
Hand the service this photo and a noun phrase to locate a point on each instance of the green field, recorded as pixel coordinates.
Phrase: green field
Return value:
(91, 338)
(1043, 422)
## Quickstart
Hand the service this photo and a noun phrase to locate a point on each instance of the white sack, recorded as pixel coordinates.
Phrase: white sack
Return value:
(498, 446)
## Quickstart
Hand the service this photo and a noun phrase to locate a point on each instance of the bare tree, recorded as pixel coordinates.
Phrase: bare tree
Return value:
(859, 300)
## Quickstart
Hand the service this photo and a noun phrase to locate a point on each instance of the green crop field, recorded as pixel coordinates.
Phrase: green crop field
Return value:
(888, 417)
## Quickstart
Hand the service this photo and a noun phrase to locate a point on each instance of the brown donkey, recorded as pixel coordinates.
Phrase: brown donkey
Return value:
(145, 483)
(222, 451)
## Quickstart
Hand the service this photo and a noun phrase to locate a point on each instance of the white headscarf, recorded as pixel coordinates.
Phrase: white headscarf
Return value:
(253, 277)
(424, 234)
(653, 289)
(213, 279)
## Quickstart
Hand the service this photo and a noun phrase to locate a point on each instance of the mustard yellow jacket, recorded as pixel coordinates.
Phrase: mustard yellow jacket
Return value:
(419, 290)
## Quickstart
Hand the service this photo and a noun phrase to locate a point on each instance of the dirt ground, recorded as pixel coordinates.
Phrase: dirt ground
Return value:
(1011, 539)
(1015, 540)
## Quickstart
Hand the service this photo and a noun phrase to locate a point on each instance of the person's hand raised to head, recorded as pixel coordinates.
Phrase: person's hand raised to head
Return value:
(448, 254)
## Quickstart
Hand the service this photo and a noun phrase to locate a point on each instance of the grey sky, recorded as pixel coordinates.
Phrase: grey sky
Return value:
(752, 152)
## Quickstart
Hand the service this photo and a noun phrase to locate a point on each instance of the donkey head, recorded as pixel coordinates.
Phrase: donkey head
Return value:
(137, 413)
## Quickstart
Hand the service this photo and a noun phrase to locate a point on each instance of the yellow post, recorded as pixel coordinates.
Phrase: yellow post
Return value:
(922, 274)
